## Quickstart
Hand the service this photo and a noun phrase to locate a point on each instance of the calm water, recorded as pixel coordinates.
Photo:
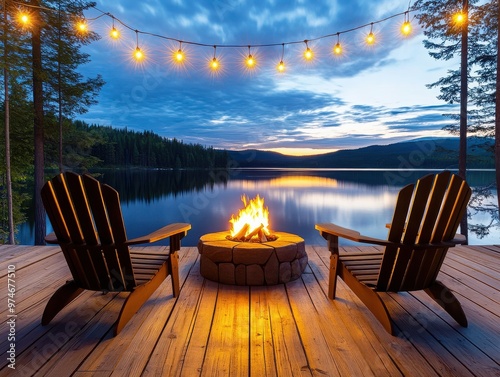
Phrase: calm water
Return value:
(297, 200)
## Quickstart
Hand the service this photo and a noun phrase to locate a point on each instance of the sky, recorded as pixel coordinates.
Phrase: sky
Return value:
(369, 95)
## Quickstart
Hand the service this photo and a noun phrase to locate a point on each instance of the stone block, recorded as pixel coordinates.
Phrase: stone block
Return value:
(240, 274)
(227, 273)
(271, 270)
(255, 275)
(208, 269)
(251, 253)
(285, 272)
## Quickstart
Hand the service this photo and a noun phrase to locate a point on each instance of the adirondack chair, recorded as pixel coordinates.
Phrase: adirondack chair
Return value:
(423, 227)
(88, 225)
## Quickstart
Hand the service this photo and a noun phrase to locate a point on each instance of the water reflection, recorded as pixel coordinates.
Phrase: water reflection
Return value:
(297, 200)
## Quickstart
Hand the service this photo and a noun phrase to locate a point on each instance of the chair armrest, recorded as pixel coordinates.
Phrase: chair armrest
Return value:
(162, 233)
(459, 239)
(349, 234)
(51, 238)
(335, 230)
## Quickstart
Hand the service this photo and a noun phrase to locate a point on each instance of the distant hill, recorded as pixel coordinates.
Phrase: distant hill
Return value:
(439, 153)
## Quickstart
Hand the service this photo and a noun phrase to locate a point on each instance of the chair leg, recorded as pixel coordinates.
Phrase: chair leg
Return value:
(447, 300)
(173, 265)
(370, 298)
(138, 297)
(332, 279)
(62, 297)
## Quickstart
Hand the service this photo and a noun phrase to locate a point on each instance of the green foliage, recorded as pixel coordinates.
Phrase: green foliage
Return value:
(121, 147)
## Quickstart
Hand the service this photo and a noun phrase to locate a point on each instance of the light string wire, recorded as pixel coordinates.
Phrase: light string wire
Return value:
(125, 25)
(405, 13)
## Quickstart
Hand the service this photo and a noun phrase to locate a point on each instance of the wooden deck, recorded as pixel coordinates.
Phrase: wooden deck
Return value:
(221, 330)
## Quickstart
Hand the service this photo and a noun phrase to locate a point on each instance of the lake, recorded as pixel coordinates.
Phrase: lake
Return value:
(362, 200)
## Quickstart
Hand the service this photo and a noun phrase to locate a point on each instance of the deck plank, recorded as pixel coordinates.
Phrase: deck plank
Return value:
(284, 330)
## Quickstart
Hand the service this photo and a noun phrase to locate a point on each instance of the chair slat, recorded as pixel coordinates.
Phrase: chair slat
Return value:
(98, 208)
(78, 245)
(395, 233)
(53, 210)
(82, 209)
(112, 200)
(418, 206)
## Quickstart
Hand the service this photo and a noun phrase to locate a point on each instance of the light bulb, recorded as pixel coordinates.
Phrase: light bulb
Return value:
(82, 26)
(138, 54)
(214, 64)
(24, 18)
(337, 49)
(281, 66)
(179, 56)
(406, 28)
(114, 33)
(250, 61)
(460, 18)
(308, 54)
(370, 38)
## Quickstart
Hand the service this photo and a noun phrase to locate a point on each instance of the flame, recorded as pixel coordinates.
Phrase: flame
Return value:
(252, 217)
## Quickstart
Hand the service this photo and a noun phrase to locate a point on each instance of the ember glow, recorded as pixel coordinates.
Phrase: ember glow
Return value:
(252, 222)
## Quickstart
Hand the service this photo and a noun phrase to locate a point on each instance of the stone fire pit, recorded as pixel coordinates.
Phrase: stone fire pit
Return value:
(252, 263)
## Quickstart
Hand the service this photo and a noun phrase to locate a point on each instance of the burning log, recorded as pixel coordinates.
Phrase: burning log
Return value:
(254, 232)
(240, 236)
(262, 236)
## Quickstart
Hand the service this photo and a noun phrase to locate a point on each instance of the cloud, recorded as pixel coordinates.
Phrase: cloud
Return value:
(368, 96)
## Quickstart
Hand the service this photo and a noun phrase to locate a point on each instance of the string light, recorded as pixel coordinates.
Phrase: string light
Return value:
(82, 27)
(308, 53)
(214, 63)
(138, 54)
(250, 61)
(114, 33)
(370, 38)
(24, 18)
(281, 64)
(179, 57)
(337, 49)
(406, 27)
(460, 18)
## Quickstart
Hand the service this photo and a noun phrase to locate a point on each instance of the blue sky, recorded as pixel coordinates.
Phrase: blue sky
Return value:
(369, 95)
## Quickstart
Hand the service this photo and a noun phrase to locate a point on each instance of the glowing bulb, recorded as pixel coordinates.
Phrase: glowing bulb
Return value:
(24, 18)
(370, 38)
(250, 61)
(82, 27)
(281, 66)
(460, 18)
(138, 54)
(114, 33)
(337, 49)
(308, 54)
(214, 64)
(406, 28)
(179, 56)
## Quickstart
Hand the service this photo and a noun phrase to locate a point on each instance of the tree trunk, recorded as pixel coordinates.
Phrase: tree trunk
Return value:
(497, 113)
(8, 177)
(40, 226)
(462, 158)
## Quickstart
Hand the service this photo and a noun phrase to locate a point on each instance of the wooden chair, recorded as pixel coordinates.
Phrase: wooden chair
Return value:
(88, 225)
(423, 227)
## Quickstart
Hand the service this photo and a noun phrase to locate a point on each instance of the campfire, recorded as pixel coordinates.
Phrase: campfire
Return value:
(252, 222)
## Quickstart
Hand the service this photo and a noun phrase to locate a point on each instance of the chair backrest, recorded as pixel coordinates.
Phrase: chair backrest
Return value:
(88, 223)
(427, 212)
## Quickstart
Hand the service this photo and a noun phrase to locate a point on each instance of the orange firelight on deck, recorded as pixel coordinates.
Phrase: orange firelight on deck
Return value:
(251, 222)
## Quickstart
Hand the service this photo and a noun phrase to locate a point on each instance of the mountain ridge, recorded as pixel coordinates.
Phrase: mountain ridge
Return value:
(425, 153)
